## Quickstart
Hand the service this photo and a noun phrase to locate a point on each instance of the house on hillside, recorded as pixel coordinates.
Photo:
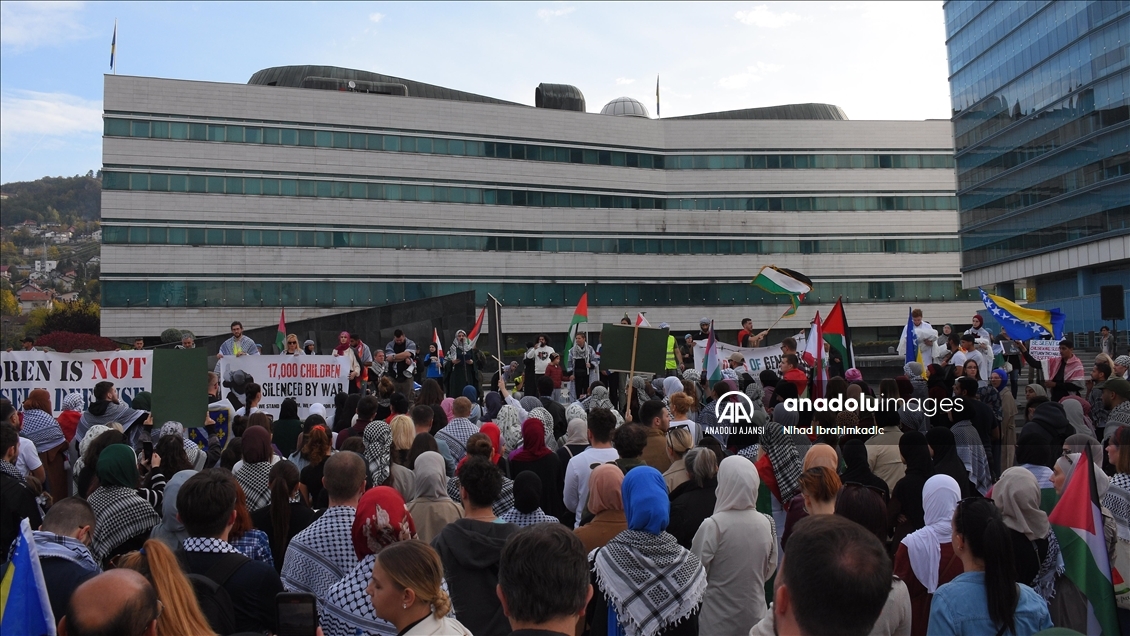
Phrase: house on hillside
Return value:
(32, 296)
(46, 266)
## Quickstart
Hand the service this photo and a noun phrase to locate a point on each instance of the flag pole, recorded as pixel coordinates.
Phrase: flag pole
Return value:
(631, 371)
(496, 326)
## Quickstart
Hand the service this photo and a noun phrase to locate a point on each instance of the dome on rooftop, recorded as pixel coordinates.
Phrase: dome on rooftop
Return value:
(625, 107)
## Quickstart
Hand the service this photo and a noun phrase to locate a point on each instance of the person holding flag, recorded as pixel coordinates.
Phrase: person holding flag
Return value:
(461, 356)
(926, 340)
(909, 342)
(813, 357)
(580, 354)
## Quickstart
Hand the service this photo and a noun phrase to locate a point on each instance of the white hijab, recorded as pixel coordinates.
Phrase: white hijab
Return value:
(737, 485)
(939, 499)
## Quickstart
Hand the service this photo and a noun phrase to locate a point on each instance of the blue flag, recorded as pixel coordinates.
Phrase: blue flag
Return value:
(222, 417)
(912, 353)
(24, 606)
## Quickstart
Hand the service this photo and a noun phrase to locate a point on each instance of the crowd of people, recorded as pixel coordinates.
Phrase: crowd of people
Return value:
(414, 511)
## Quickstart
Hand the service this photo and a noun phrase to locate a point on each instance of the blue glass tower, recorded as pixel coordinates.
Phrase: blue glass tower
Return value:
(1041, 122)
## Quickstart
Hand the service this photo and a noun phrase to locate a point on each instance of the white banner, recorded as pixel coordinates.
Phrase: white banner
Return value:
(756, 360)
(307, 379)
(63, 373)
(1044, 350)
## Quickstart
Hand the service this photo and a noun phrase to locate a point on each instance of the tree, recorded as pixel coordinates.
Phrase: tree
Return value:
(9, 306)
(76, 317)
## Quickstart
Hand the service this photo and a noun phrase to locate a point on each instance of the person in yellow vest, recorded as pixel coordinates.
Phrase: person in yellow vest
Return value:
(674, 365)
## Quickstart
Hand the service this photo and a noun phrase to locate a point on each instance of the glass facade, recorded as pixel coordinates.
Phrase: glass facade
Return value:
(1041, 111)
(187, 129)
(127, 290)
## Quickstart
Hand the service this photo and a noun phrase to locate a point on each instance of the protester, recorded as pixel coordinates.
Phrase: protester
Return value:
(17, 502)
(458, 428)
(738, 549)
(315, 452)
(432, 508)
(857, 471)
(969, 445)
(406, 591)
(286, 515)
(527, 502)
(818, 487)
(543, 598)
(601, 425)
(679, 441)
(124, 518)
(1035, 548)
(1065, 373)
(381, 519)
(72, 407)
(106, 409)
(206, 504)
(606, 505)
(642, 563)
(423, 417)
(1050, 425)
(779, 467)
(46, 437)
(63, 545)
(694, 500)
(985, 598)
(180, 613)
(1007, 443)
(378, 451)
(925, 558)
(85, 470)
(535, 457)
(171, 531)
(322, 554)
(943, 447)
(470, 549)
(905, 512)
(480, 447)
(119, 602)
(254, 475)
(285, 429)
(462, 371)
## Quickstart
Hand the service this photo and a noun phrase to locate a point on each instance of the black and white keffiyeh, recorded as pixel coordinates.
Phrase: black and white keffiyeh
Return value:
(9, 469)
(42, 430)
(1117, 501)
(784, 459)
(543, 414)
(322, 554)
(347, 609)
(456, 434)
(208, 544)
(652, 581)
(121, 515)
(972, 454)
(505, 497)
(378, 450)
(523, 520)
(256, 484)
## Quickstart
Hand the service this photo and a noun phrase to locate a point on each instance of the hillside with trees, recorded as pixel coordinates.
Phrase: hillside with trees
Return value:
(52, 200)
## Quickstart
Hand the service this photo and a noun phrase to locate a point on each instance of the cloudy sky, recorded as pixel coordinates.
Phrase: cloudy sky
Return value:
(876, 60)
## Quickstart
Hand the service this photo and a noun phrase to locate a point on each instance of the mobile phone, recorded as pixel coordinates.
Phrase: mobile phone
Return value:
(296, 614)
(147, 450)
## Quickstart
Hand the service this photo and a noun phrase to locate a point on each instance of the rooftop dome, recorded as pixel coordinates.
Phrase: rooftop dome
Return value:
(625, 107)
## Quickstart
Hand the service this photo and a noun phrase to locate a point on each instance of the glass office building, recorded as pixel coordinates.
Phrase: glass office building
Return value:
(1041, 123)
(321, 190)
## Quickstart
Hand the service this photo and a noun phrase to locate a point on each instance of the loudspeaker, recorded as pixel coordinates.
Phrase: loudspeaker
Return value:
(1111, 300)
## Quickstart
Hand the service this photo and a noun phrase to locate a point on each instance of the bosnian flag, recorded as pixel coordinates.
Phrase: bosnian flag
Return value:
(814, 357)
(641, 320)
(436, 342)
(713, 367)
(1078, 523)
(913, 353)
(473, 337)
(785, 282)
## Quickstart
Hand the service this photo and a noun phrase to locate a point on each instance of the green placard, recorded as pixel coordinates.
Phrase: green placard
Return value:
(180, 386)
(616, 348)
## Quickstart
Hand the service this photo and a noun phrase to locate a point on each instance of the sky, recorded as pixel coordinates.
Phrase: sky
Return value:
(876, 60)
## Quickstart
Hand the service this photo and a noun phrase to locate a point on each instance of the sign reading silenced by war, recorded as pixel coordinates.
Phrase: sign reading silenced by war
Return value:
(307, 379)
(63, 373)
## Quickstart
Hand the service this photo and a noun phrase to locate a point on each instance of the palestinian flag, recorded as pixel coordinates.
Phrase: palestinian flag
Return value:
(713, 370)
(437, 343)
(580, 314)
(473, 337)
(837, 334)
(280, 337)
(641, 320)
(814, 357)
(781, 281)
(1078, 523)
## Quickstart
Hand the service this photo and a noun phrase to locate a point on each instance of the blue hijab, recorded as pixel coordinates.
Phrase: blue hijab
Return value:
(1004, 379)
(646, 504)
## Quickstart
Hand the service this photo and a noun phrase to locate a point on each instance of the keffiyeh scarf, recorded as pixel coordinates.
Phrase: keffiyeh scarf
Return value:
(121, 515)
(255, 480)
(972, 454)
(542, 414)
(1051, 567)
(348, 610)
(378, 451)
(651, 581)
(504, 502)
(510, 425)
(9, 469)
(784, 459)
(523, 520)
(322, 554)
(1117, 501)
(42, 430)
(51, 545)
(598, 399)
(456, 434)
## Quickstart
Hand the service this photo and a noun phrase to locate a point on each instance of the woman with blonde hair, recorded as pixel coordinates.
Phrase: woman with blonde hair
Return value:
(407, 590)
(403, 434)
(181, 614)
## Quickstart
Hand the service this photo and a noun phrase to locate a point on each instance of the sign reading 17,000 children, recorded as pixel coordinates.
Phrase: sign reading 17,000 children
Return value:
(307, 379)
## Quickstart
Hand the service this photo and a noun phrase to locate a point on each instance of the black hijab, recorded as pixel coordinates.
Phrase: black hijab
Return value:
(908, 491)
(858, 471)
(946, 460)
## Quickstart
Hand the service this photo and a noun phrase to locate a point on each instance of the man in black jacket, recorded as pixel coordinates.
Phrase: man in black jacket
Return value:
(64, 553)
(16, 501)
(1049, 426)
(206, 507)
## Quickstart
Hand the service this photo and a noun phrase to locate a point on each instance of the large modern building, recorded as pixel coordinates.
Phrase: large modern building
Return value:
(1041, 116)
(322, 189)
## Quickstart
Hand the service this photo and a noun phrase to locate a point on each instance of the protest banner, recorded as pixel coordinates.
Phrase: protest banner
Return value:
(756, 359)
(307, 379)
(64, 373)
(1044, 350)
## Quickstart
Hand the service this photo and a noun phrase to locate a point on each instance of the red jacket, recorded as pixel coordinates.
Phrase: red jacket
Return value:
(799, 378)
(553, 372)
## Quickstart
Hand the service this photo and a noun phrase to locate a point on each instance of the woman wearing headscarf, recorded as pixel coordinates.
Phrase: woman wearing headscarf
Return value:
(789, 420)
(643, 563)
(344, 350)
(381, 520)
(693, 501)
(779, 468)
(606, 505)
(493, 403)
(254, 474)
(494, 434)
(857, 470)
(73, 405)
(43, 430)
(679, 442)
(1076, 414)
(123, 519)
(460, 365)
(943, 448)
(378, 451)
(1007, 442)
(535, 457)
(543, 414)
(285, 429)
(82, 474)
(925, 558)
(510, 425)
(738, 549)
(171, 531)
(821, 455)
(906, 513)
(971, 450)
(432, 509)
(576, 441)
(1035, 547)
(527, 503)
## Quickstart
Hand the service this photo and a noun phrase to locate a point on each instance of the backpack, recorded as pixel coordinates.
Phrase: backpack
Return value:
(215, 602)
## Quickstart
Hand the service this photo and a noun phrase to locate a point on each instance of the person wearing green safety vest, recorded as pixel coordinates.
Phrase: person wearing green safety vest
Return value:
(674, 364)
